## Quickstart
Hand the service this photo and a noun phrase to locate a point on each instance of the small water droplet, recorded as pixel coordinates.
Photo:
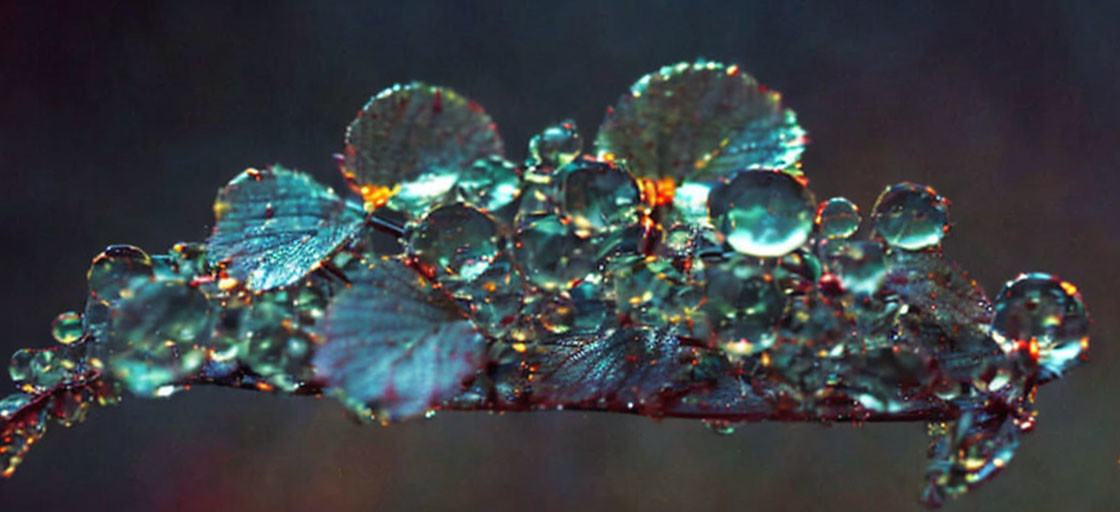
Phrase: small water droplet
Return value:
(551, 254)
(837, 218)
(1046, 317)
(113, 270)
(557, 145)
(910, 216)
(67, 327)
(763, 213)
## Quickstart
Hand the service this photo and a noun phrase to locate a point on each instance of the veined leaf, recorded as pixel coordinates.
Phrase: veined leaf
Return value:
(411, 143)
(274, 226)
(396, 344)
(700, 121)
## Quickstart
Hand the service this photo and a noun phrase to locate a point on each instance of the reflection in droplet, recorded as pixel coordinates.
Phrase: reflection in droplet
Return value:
(456, 239)
(837, 218)
(1044, 315)
(599, 196)
(910, 216)
(763, 213)
(67, 327)
(557, 145)
(111, 271)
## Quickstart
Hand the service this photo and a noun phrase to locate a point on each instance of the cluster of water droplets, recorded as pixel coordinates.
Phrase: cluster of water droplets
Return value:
(682, 267)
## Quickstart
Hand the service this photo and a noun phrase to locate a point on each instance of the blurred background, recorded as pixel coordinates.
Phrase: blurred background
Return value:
(118, 124)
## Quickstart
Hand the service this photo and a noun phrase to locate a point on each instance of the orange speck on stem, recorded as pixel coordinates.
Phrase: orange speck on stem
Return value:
(375, 197)
(1069, 287)
(657, 192)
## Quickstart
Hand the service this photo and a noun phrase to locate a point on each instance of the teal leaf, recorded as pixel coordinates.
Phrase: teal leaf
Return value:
(396, 344)
(700, 121)
(276, 225)
(415, 142)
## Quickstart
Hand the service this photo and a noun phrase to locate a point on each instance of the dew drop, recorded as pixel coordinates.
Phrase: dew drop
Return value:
(599, 196)
(837, 218)
(550, 254)
(1044, 315)
(20, 366)
(763, 213)
(113, 270)
(910, 216)
(67, 327)
(557, 145)
(458, 240)
(490, 183)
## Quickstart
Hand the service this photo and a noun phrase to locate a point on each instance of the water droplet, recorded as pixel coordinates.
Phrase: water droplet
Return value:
(1046, 317)
(837, 218)
(721, 427)
(910, 216)
(458, 240)
(763, 213)
(10, 404)
(600, 196)
(67, 327)
(551, 254)
(651, 290)
(859, 266)
(557, 145)
(742, 308)
(490, 183)
(112, 271)
(20, 366)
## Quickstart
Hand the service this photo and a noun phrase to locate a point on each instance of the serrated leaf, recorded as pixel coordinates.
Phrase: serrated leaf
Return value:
(274, 226)
(700, 121)
(414, 142)
(395, 343)
(627, 366)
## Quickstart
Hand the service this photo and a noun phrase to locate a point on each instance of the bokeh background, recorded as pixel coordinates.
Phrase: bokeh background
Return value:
(118, 124)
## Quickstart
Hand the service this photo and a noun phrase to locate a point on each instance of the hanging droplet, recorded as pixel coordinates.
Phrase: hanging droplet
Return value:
(67, 327)
(910, 216)
(1046, 317)
(490, 183)
(557, 145)
(600, 196)
(11, 404)
(763, 213)
(457, 240)
(551, 254)
(837, 218)
(113, 270)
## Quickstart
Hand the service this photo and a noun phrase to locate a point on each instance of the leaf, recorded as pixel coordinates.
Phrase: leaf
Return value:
(700, 121)
(274, 226)
(397, 344)
(413, 142)
(628, 367)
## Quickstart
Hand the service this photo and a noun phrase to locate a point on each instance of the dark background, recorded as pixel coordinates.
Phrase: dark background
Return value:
(118, 124)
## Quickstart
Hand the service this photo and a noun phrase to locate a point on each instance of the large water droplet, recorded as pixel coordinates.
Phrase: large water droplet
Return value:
(458, 240)
(742, 308)
(837, 218)
(67, 327)
(490, 183)
(763, 213)
(113, 270)
(1044, 315)
(557, 145)
(598, 196)
(910, 216)
(550, 254)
